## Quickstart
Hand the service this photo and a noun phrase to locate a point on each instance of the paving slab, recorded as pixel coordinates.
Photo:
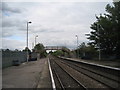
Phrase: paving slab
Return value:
(34, 74)
(45, 79)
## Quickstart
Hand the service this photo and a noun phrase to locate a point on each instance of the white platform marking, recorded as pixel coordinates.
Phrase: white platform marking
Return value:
(51, 74)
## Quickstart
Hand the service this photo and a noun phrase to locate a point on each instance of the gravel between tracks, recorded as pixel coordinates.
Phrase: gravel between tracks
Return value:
(92, 73)
(88, 82)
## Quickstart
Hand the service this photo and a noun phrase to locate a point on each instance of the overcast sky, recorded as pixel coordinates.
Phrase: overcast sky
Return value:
(55, 23)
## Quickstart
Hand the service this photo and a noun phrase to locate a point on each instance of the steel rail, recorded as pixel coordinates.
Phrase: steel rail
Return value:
(59, 80)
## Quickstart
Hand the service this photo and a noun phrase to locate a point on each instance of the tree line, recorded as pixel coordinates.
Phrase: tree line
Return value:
(104, 35)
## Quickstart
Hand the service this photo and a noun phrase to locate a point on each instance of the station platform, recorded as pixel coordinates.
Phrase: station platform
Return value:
(107, 63)
(34, 74)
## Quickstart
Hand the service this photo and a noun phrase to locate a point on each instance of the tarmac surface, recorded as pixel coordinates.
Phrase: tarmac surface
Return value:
(34, 74)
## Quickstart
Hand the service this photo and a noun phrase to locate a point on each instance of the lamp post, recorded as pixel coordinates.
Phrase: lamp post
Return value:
(27, 40)
(77, 46)
(35, 39)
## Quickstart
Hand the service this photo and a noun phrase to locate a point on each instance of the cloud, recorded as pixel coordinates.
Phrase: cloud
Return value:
(54, 23)
(12, 21)
(6, 8)
(60, 1)
(13, 44)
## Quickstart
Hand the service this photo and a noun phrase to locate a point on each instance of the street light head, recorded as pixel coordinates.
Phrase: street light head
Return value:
(29, 22)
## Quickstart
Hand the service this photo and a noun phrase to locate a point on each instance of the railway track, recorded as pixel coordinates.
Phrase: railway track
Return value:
(111, 81)
(76, 71)
(63, 79)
